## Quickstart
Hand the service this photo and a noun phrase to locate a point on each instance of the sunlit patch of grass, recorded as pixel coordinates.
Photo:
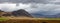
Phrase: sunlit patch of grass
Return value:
(50, 19)
(3, 19)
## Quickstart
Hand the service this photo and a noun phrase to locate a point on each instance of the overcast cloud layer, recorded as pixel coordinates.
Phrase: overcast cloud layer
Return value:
(45, 7)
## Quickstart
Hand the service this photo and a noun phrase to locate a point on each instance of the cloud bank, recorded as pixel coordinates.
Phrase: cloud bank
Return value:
(48, 9)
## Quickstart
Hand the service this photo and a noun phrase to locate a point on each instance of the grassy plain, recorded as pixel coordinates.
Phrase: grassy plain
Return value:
(28, 20)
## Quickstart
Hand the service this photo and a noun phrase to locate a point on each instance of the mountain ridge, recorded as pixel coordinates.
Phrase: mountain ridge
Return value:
(17, 13)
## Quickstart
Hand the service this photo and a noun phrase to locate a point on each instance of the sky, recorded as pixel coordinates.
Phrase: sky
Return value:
(45, 7)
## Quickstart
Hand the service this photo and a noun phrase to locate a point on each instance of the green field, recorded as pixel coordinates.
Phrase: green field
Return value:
(29, 20)
(3, 19)
(52, 18)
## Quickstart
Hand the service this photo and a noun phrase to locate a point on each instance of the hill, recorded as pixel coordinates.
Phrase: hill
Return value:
(17, 13)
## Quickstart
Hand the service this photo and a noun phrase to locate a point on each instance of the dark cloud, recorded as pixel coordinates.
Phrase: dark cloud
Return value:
(31, 1)
(37, 7)
(25, 1)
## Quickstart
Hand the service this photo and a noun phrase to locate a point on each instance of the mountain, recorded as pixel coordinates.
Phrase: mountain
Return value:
(18, 13)
(21, 12)
(2, 13)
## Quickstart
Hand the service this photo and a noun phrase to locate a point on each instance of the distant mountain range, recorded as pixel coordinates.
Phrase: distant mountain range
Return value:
(22, 12)
(46, 16)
